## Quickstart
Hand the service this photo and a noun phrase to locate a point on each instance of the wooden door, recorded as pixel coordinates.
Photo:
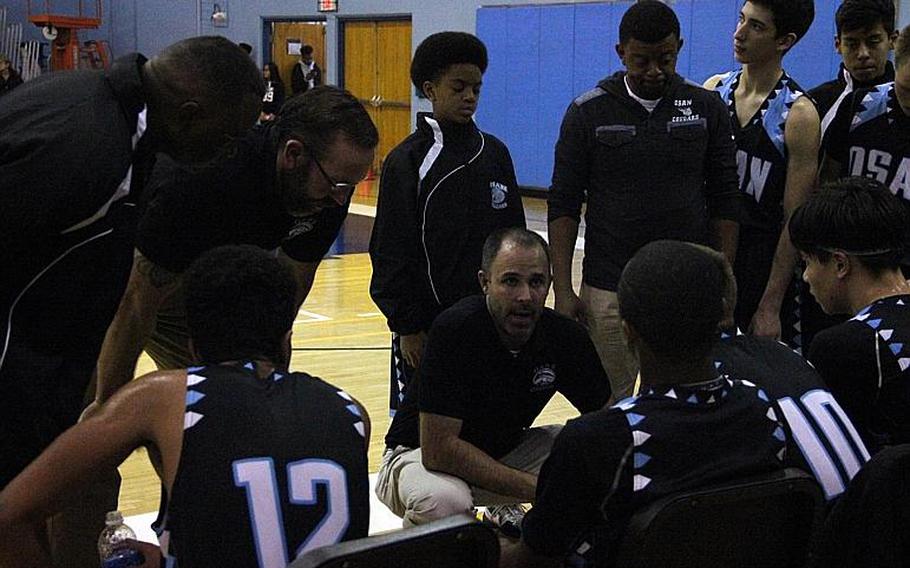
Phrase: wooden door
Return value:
(308, 33)
(377, 62)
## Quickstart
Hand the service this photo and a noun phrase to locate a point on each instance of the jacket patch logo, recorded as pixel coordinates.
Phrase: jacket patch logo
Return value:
(544, 377)
(684, 107)
(498, 194)
(301, 226)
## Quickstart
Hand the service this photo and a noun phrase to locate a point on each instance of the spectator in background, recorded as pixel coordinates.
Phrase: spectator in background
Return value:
(306, 73)
(9, 77)
(274, 92)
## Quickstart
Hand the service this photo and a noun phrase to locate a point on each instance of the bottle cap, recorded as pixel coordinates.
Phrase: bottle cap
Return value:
(114, 518)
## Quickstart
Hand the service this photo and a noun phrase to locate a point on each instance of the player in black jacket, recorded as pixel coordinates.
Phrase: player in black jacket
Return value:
(444, 189)
(258, 464)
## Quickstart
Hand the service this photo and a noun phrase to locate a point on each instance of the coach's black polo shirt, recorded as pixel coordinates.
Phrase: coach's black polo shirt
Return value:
(467, 373)
(233, 201)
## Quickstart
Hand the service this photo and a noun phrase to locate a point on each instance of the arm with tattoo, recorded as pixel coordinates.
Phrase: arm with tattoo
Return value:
(148, 286)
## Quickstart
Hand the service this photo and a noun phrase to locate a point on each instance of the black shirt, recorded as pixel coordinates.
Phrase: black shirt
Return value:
(233, 201)
(66, 145)
(607, 464)
(866, 363)
(645, 176)
(273, 97)
(828, 442)
(467, 373)
(268, 468)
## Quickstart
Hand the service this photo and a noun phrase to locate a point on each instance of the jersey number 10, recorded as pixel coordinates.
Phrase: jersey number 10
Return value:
(257, 477)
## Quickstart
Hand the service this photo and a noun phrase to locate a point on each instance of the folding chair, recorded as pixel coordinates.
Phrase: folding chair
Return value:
(458, 541)
(761, 521)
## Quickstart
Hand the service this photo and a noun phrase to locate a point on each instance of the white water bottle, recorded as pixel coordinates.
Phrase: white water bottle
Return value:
(110, 544)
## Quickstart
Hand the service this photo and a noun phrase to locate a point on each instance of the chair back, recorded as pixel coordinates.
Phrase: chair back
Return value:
(761, 521)
(458, 541)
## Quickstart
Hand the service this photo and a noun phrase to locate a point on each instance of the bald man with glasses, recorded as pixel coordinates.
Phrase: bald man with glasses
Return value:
(285, 186)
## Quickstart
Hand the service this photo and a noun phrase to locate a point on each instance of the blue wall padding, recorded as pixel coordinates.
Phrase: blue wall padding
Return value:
(522, 65)
(814, 60)
(543, 56)
(555, 84)
(711, 39)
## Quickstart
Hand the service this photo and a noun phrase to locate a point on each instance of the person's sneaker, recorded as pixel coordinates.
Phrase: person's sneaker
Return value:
(508, 518)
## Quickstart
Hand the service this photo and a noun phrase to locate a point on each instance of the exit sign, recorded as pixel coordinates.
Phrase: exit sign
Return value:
(327, 5)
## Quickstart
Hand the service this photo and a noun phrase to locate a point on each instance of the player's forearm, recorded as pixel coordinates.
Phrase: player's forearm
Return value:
(725, 236)
(782, 267)
(466, 461)
(123, 343)
(563, 232)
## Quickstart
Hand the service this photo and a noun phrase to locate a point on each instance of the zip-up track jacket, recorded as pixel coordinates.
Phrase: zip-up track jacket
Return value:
(443, 190)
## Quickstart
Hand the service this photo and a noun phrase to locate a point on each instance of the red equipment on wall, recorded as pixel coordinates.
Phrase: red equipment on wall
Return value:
(62, 30)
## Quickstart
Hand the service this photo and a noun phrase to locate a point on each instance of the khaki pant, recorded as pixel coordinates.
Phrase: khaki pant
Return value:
(420, 496)
(605, 328)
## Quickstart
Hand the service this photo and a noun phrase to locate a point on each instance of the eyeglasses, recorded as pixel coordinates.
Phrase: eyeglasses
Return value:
(340, 188)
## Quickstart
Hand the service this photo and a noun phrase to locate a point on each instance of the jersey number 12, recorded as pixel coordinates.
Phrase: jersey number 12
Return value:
(257, 477)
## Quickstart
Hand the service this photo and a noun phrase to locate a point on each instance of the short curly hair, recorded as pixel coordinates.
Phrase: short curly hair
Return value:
(240, 302)
(671, 293)
(440, 51)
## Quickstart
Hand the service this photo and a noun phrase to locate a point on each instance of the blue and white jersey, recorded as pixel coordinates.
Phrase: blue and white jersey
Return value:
(269, 468)
(823, 439)
(870, 137)
(866, 363)
(761, 152)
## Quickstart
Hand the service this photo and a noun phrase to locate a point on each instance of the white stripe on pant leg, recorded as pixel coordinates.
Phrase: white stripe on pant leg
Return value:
(9, 318)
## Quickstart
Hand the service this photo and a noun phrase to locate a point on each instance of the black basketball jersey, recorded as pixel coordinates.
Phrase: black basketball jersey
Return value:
(866, 363)
(269, 469)
(871, 137)
(829, 445)
(761, 153)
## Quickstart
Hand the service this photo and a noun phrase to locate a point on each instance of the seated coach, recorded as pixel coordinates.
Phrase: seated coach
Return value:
(463, 435)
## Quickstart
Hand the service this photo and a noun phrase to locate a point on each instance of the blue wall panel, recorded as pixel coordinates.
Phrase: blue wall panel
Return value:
(711, 39)
(811, 60)
(594, 56)
(557, 26)
(491, 112)
(684, 9)
(522, 71)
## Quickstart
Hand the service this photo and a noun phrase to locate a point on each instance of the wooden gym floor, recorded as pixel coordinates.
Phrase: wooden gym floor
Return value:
(340, 336)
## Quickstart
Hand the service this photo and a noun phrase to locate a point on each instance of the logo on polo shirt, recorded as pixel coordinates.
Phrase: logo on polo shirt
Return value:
(544, 377)
(498, 194)
(684, 107)
(301, 226)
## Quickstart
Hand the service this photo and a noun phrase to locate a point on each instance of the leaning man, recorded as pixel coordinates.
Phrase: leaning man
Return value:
(463, 435)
